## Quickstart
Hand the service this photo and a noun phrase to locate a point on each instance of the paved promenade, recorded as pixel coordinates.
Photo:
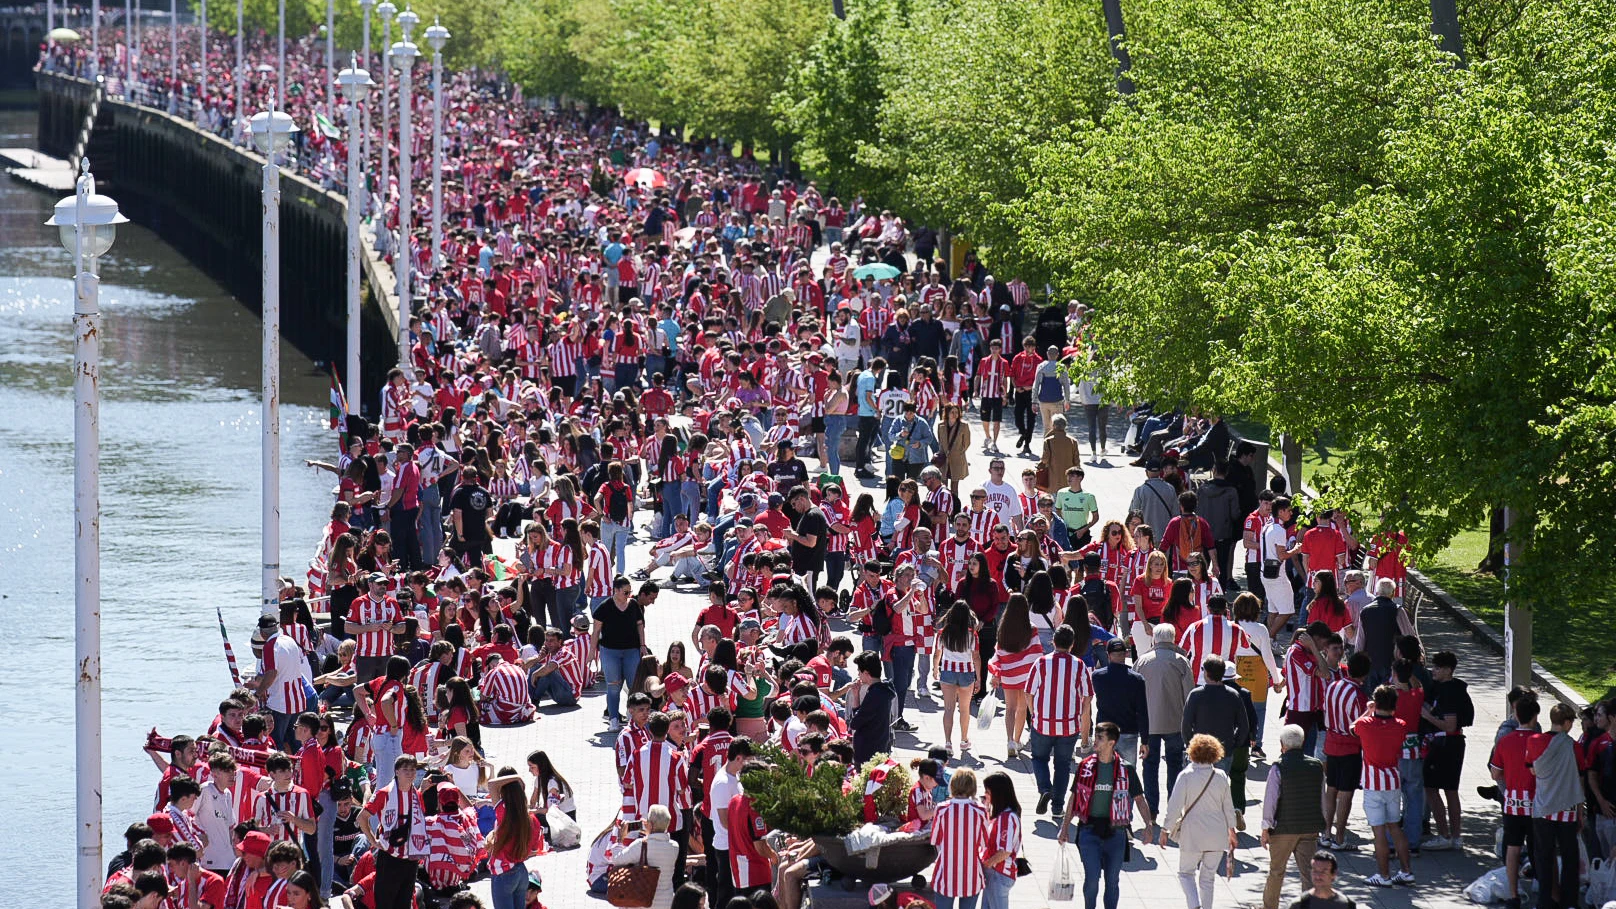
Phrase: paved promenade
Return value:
(577, 740)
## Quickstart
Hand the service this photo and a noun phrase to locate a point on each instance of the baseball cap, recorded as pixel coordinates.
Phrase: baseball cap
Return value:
(675, 682)
(256, 842)
(1116, 645)
(746, 500)
(751, 625)
(377, 577)
(776, 500)
(266, 622)
(160, 823)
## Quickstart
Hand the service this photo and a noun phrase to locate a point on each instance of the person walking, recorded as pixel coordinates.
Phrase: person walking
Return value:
(1053, 387)
(1168, 683)
(959, 830)
(1200, 816)
(1004, 840)
(1216, 709)
(1293, 813)
(1120, 698)
(1104, 797)
(1058, 693)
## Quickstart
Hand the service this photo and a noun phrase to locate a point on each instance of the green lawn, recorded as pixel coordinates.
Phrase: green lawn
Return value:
(1576, 651)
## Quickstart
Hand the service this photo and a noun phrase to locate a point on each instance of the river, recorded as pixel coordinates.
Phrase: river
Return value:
(180, 516)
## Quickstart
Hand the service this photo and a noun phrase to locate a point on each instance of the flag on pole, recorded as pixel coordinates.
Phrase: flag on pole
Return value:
(229, 654)
(339, 403)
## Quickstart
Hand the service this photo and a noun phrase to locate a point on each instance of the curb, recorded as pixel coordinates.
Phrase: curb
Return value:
(1471, 622)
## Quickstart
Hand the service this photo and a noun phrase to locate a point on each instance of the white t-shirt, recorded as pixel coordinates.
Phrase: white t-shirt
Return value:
(848, 338)
(1273, 539)
(891, 401)
(726, 786)
(1003, 498)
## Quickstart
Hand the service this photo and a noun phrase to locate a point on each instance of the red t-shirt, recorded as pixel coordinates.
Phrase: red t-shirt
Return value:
(1323, 547)
(775, 520)
(1510, 756)
(747, 865)
(721, 615)
(1382, 739)
(1152, 596)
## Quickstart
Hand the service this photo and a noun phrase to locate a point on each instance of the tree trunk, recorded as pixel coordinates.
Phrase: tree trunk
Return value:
(1493, 562)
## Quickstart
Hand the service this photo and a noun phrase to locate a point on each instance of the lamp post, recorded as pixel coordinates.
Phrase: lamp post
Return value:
(202, 70)
(87, 223)
(436, 37)
(237, 121)
(404, 54)
(356, 85)
(173, 55)
(386, 10)
(367, 6)
(95, 38)
(272, 133)
(330, 45)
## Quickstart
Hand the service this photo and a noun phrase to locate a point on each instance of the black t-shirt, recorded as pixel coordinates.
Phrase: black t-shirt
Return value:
(788, 475)
(810, 523)
(620, 628)
(475, 502)
(1309, 901)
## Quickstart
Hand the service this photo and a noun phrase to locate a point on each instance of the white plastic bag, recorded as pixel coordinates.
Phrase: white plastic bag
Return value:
(564, 831)
(987, 710)
(1601, 882)
(1062, 885)
(1488, 887)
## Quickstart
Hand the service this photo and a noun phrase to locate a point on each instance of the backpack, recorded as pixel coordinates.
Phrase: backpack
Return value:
(1098, 598)
(881, 619)
(617, 502)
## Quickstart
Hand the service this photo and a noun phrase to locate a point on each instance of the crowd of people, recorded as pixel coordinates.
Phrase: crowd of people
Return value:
(686, 356)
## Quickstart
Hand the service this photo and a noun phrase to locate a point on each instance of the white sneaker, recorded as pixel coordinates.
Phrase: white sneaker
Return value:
(1375, 880)
(1404, 878)
(1435, 844)
(616, 725)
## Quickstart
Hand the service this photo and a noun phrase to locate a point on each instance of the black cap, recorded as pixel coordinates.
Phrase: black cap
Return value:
(1116, 645)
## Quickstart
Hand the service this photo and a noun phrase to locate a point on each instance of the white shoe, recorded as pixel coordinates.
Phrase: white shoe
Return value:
(1435, 844)
(1404, 878)
(615, 725)
(1375, 880)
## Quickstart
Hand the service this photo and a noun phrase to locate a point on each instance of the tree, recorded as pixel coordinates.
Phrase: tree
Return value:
(536, 44)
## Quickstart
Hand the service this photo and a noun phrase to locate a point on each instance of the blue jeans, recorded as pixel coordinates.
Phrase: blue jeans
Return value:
(510, 888)
(325, 845)
(615, 538)
(1060, 748)
(715, 495)
(903, 670)
(333, 696)
(996, 895)
(385, 748)
(673, 502)
(551, 686)
(835, 426)
(283, 729)
(691, 499)
(1173, 744)
(958, 902)
(1101, 856)
(1412, 771)
(563, 604)
(431, 523)
(618, 664)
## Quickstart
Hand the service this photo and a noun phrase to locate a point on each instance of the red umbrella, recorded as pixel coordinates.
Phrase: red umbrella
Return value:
(645, 176)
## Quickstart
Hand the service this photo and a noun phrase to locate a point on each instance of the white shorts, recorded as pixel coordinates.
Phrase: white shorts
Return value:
(1281, 596)
(1383, 806)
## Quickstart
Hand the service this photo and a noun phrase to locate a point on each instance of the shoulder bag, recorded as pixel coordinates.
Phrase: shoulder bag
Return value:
(633, 886)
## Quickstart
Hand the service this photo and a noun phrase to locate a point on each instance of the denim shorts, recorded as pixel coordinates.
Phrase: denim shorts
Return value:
(957, 679)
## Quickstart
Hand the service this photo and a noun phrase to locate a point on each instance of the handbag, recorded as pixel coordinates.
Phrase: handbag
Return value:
(1270, 567)
(1191, 807)
(1062, 886)
(633, 886)
(1041, 475)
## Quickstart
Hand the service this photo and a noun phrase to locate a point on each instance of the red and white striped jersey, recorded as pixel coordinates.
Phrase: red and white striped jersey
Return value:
(453, 843)
(702, 702)
(992, 377)
(958, 660)
(598, 580)
(287, 695)
(425, 678)
(504, 695)
(926, 398)
(1059, 684)
(795, 629)
(1519, 786)
(369, 611)
(558, 557)
(711, 755)
(628, 744)
(1305, 690)
(186, 829)
(531, 355)
(1382, 775)
(954, 555)
(564, 357)
(747, 865)
(1344, 703)
(661, 777)
(960, 832)
(1004, 835)
(1214, 635)
(266, 812)
(1014, 668)
(982, 525)
(576, 666)
(941, 499)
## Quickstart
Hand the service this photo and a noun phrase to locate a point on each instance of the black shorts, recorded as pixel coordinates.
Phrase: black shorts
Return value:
(1342, 772)
(1444, 762)
(816, 424)
(993, 410)
(1516, 829)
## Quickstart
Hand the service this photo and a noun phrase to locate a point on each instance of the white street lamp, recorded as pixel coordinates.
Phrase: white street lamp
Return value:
(272, 133)
(128, 50)
(238, 122)
(202, 70)
(356, 85)
(386, 10)
(367, 6)
(173, 55)
(280, 61)
(87, 222)
(436, 37)
(404, 54)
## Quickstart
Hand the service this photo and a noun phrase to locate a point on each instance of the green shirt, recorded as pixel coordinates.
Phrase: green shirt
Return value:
(1076, 508)
(1105, 782)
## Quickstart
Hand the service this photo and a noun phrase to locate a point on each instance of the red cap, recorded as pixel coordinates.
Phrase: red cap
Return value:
(675, 682)
(160, 823)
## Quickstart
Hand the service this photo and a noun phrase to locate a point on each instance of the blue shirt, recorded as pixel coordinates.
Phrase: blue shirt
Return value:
(670, 329)
(865, 390)
(613, 253)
